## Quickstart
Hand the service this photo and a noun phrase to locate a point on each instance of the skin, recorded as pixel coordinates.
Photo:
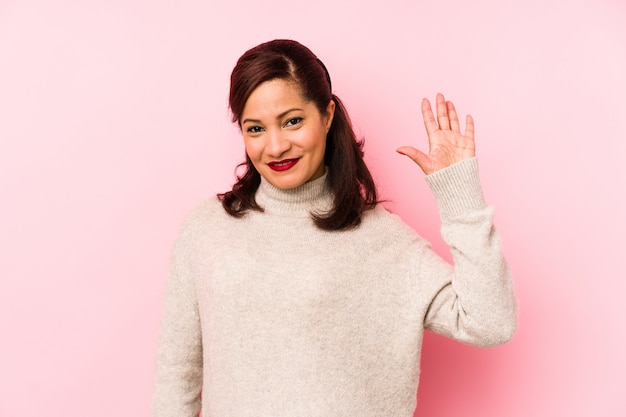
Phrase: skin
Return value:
(278, 125)
(447, 145)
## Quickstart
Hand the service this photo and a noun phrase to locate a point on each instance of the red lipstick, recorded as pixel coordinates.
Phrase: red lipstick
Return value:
(283, 165)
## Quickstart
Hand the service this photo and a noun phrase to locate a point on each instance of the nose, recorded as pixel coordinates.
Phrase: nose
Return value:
(277, 143)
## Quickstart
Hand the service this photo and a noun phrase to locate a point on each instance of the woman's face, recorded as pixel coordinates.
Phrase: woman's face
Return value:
(284, 136)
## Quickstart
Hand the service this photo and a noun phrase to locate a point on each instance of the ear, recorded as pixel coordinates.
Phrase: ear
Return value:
(329, 114)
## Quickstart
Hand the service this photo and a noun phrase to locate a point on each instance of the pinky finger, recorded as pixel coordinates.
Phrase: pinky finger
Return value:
(469, 127)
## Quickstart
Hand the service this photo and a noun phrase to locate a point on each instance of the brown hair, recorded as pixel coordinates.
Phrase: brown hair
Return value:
(348, 177)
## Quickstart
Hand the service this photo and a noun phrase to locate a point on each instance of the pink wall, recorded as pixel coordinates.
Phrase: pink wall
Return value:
(113, 124)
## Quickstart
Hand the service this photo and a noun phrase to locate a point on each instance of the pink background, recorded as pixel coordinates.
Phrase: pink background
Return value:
(114, 123)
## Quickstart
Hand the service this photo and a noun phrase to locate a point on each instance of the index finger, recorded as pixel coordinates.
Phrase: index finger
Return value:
(429, 117)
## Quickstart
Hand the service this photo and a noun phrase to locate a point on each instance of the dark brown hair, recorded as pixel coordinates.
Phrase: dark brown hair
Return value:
(348, 178)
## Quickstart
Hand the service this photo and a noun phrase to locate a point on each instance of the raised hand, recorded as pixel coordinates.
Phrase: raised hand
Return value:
(447, 145)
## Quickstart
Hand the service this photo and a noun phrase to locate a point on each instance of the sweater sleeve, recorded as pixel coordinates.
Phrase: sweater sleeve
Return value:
(178, 378)
(473, 301)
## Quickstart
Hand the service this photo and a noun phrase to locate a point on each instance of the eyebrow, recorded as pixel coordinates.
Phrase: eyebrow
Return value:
(280, 116)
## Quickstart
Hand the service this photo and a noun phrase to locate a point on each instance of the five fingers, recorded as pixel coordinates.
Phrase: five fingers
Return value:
(444, 130)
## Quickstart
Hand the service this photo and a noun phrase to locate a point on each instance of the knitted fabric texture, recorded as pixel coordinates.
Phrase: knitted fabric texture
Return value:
(269, 316)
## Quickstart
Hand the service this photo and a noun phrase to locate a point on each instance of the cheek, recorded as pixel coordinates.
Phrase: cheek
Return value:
(252, 149)
(321, 142)
(315, 140)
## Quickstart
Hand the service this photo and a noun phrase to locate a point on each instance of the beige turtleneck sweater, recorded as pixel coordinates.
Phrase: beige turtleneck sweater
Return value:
(269, 316)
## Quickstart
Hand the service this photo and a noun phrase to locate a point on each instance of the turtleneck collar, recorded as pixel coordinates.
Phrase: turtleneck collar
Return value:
(310, 197)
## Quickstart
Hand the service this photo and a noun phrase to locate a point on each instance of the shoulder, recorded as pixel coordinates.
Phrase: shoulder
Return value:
(207, 216)
(389, 228)
(203, 213)
(206, 211)
(380, 217)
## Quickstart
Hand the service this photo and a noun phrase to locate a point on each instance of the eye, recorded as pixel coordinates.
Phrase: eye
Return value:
(293, 121)
(254, 129)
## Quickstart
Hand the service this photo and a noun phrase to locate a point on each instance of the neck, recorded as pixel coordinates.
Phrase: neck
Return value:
(313, 196)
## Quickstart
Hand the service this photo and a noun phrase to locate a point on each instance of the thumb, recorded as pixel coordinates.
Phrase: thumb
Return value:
(417, 156)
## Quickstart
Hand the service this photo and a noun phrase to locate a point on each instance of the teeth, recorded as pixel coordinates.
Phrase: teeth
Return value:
(280, 164)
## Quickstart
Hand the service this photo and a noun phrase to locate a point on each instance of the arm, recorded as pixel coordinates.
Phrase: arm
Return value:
(472, 301)
(178, 379)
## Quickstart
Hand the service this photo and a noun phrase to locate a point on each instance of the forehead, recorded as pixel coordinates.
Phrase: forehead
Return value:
(274, 97)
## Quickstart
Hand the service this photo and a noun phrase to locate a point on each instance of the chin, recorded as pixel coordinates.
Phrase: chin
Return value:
(285, 182)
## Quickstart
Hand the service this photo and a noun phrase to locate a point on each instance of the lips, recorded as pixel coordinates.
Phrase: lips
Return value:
(283, 165)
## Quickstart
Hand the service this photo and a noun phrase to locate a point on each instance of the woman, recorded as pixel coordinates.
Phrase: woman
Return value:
(295, 293)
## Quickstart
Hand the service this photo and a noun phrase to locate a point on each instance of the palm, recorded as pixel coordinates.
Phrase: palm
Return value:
(447, 145)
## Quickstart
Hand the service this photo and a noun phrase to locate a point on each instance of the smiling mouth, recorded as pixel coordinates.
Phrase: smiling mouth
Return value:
(283, 165)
